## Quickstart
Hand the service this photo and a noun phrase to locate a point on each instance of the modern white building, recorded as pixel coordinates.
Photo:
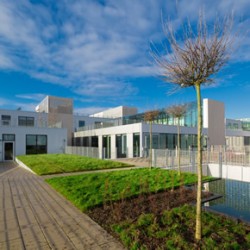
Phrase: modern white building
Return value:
(48, 130)
(115, 133)
(128, 136)
(23, 132)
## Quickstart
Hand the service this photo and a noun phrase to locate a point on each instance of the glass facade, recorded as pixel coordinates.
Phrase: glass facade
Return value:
(36, 144)
(188, 120)
(233, 125)
(246, 125)
(169, 141)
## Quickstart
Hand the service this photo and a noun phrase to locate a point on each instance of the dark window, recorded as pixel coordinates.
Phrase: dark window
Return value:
(8, 137)
(6, 120)
(78, 141)
(36, 144)
(26, 121)
(246, 141)
(85, 141)
(81, 124)
(94, 141)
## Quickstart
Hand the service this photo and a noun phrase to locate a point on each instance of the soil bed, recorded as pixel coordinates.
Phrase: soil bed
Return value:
(136, 211)
(115, 212)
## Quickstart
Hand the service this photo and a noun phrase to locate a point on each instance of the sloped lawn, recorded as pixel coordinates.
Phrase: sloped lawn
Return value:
(89, 190)
(45, 164)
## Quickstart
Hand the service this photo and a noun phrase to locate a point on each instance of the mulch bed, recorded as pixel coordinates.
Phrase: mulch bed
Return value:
(132, 208)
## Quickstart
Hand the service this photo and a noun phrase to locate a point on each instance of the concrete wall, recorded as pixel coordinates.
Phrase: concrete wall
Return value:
(239, 173)
(214, 121)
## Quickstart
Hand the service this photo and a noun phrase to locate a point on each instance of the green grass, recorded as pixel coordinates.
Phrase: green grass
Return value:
(175, 230)
(44, 164)
(89, 190)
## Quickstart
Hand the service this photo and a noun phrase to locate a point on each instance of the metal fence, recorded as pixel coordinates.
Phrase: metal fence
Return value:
(168, 159)
(84, 151)
(165, 157)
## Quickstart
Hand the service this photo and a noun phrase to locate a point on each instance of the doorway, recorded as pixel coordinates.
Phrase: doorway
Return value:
(106, 144)
(8, 151)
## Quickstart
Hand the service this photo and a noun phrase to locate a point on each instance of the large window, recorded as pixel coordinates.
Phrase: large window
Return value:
(8, 137)
(6, 120)
(26, 121)
(36, 144)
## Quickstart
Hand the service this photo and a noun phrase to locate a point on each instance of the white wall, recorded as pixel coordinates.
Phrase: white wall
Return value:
(113, 131)
(40, 119)
(56, 138)
(116, 112)
(129, 130)
(232, 172)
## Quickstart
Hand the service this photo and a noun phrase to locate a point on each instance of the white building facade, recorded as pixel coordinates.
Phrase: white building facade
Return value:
(23, 132)
(116, 133)
(128, 136)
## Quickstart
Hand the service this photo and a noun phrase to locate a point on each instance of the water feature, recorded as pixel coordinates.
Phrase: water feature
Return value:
(236, 198)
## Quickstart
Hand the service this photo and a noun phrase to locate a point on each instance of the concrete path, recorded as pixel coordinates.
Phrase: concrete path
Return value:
(34, 216)
(138, 162)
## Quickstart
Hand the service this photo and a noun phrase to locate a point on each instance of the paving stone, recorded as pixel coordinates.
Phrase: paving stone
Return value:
(12, 245)
(34, 216)
(9, 235)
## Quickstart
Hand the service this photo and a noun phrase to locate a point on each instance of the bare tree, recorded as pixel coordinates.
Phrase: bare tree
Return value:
(193, 61)
(150, 117)
(177, 112)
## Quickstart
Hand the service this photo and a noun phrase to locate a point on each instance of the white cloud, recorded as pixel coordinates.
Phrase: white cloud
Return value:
(5, 103)
(92, 47)
(35, 97)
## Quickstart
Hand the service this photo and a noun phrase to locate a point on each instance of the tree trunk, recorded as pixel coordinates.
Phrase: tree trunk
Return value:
(199, 163)
(150, 142)
(178, 147)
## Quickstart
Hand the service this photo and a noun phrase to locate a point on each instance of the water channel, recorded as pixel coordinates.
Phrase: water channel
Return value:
(235, 199)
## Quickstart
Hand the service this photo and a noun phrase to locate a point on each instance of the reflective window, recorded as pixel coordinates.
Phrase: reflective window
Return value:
(36, 144)
(26, 121)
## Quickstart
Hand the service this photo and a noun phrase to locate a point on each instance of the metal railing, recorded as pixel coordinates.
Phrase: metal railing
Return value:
(165, 157)
(84, 151)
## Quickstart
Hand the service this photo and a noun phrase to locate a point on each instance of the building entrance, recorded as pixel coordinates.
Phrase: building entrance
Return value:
(8, 151)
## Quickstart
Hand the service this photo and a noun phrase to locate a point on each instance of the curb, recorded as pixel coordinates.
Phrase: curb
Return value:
(22, 165)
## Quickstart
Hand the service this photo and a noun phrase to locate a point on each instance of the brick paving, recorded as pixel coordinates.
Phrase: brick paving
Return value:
(34, 216)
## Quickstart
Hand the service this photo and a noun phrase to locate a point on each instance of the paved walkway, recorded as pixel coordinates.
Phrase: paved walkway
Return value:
(138, 162)
(34, 216)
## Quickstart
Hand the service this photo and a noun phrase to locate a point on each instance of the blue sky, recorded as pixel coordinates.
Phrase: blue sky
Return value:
(98, 52)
